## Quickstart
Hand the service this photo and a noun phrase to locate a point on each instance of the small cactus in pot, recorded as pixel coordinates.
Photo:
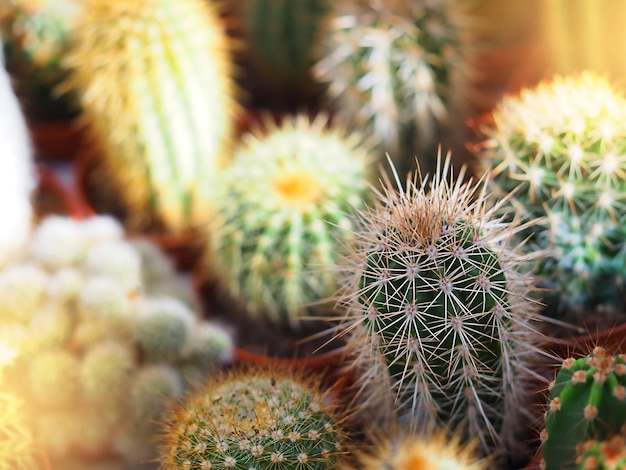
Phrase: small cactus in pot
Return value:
(281, 207)
(559, 146)
(154, 80)
(254, 418)
(438, 310)
(587, 400)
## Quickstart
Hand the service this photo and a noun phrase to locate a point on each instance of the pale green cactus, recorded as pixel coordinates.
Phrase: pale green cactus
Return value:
(560, 147)
(282, 208)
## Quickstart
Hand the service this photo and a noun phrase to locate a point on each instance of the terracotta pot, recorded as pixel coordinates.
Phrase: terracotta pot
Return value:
(56, 195)
(91, 184)
(56, 140)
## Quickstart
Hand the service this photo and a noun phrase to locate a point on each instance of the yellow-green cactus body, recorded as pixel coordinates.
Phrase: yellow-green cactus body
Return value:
(154, 78)
(282, 212)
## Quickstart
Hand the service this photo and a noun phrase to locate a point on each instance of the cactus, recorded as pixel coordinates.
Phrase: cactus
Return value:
(602, 455)
(438, 452)
(16, 172)
(254, 418)
(559, 146)
(437, 300)
(281, 38)
(154, 80)
(36, 36)
(390, 67)
(587, 400)
(281, 209)
(16, 446)
(89, 358)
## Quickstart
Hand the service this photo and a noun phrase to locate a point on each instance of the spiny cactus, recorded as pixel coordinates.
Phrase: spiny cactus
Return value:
(602, 455)
(98, 350)
(281, 38)
(154, 79)
(16, 172)
(254, 418)
(281, 208)
(561, 146)
(36, 35)
(438, 452)
(390, 67)
(437, 301)
(587, 400)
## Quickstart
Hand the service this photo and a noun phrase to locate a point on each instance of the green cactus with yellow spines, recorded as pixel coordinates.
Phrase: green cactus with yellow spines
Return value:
(587, 400)
(254, 418)
(155, 82)
(559, 146)
(438, 309)
(282, 208)
(36, 36)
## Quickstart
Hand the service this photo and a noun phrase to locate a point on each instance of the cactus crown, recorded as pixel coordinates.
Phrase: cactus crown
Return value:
(561, 145)
(587, 400)
(254, 418)
(434, 291)
(282, 203)
(438, 452)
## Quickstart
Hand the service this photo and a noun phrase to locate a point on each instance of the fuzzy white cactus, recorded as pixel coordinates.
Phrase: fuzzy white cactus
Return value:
(16, 171)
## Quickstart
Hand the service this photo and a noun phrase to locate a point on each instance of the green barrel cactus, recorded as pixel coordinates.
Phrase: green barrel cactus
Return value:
(282, 208)
(437, 300)
(560, 146)
(390, 66)
(36, 36)
(587, 400)
(281, 38)
(254, 418)
(154, 79)
(99, 349)
(607, 454)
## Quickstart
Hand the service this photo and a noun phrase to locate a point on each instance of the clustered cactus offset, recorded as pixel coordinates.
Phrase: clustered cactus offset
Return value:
(255, 418)
(607, 454)
(437, 303)
(281, 209)
(561, 147)
(99, 351)
(587, 400)
(154, 79)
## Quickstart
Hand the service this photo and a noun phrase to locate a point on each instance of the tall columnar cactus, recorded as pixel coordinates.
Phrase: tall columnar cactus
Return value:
(16, 172)
(36, 36)
(587, 400)
(254, 418)
(99, 348)
(437, 301)
(281, 39)
(438, 452)
(154, 78)
(390, 67)
(561, 146)
(281, 209)
(602, 455)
